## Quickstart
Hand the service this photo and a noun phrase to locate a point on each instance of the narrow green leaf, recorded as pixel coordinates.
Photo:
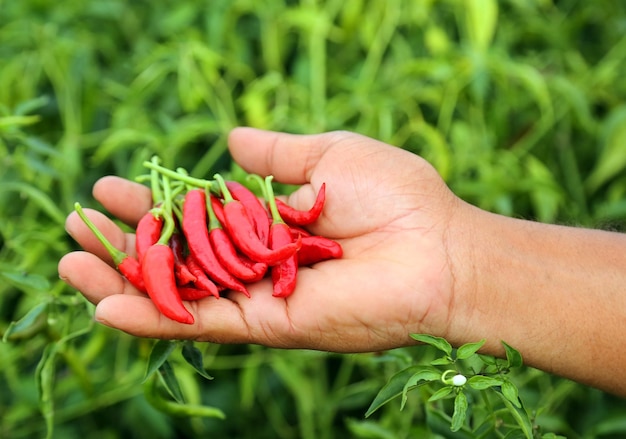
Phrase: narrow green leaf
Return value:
(481, 382)
(193, 356)
(392, 389)
(437, 342)
(460, 411)
(26, 280)
(441, 393)
(424, 374)
(514, 358)
(171, 382)
(510, 392)
(39, 197)
(442, 361)
(467, 350)
(159, 355)
(173, 408)
(26, 322)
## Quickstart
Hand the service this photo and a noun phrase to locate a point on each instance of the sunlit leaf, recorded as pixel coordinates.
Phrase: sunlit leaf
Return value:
(437, 342)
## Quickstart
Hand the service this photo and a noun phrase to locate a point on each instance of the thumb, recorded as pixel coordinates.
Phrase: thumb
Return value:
(290, 158)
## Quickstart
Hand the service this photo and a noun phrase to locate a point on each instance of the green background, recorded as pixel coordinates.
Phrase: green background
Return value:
(521, 106)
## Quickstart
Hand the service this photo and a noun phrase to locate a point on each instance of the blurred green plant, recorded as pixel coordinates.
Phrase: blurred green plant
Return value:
(519, 105)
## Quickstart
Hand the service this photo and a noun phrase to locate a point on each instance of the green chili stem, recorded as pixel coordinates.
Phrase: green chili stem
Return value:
(117, 255)
(197, 182)
(223, 189)
(168, 220)
(214, 223)
(271, 200)
(258, 180)
(157, 193)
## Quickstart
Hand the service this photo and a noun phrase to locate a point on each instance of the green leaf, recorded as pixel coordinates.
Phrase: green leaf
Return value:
(467, 350)
(481, 382)
(392, 389)
(193, 356)
(159, 355)
(26, 280)
(39, 197)
(460, 411)
(424, 374)
(171, 382)
(441, 393)
(513, 357)
(510, 392)
(442, 361)
(158, 401)
(437, 342)
(25, 323)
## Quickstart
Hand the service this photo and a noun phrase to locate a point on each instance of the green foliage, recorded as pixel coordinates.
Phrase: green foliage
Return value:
(519, 105)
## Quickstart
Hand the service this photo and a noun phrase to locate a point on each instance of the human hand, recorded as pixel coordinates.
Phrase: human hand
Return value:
(387, 207)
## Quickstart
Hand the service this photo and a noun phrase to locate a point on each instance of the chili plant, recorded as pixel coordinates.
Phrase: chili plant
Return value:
(462, 376)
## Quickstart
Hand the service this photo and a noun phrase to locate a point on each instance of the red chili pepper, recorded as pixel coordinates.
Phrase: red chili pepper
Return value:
(318, 248)
(224, 249)
(284, 275)
(192, 293)
(183, 275)
(202, 280)
(197, 235)
(158, 269)
(303, 217)
(243, 234)
(256, 212)
(128, 266)
(147, 233)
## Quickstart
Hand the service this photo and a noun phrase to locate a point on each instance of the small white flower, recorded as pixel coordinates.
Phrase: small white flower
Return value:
(458, 380)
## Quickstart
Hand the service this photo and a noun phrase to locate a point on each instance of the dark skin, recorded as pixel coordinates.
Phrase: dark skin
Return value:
(442, 267)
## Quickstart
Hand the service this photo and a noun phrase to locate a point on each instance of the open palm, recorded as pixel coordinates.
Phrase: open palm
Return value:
(388, 208)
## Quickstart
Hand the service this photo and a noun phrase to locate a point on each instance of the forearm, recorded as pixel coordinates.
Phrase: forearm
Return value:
(558, 294)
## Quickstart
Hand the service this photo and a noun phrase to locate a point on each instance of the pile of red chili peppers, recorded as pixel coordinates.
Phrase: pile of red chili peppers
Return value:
(203, 237)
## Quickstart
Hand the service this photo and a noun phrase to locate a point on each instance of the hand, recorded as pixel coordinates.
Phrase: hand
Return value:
(387, 207)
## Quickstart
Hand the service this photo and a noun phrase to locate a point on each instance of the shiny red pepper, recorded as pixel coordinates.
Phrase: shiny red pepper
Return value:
(202, 280)
(284, 275)
(147, 233)
(223, 246)
(243, 234)
(181, 270)
(303, 217)
(318, 248)
(197, 235)
(158, 269)
(256, 212)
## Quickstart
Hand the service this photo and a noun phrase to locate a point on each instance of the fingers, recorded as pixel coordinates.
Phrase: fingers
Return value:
(87, 273)
(125, 199)
(216, 320)
(290, 158)
(79, 231)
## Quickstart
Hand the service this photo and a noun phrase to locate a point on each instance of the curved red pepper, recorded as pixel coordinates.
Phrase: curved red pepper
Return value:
(223, 246)
(191, 293)
(302, 217)
(181, 270)
(318, 248)
(158, 269)
(244, 237)
(256, 212)
(147, 233)
(196, 232)
(284, 274)
(202, 280)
